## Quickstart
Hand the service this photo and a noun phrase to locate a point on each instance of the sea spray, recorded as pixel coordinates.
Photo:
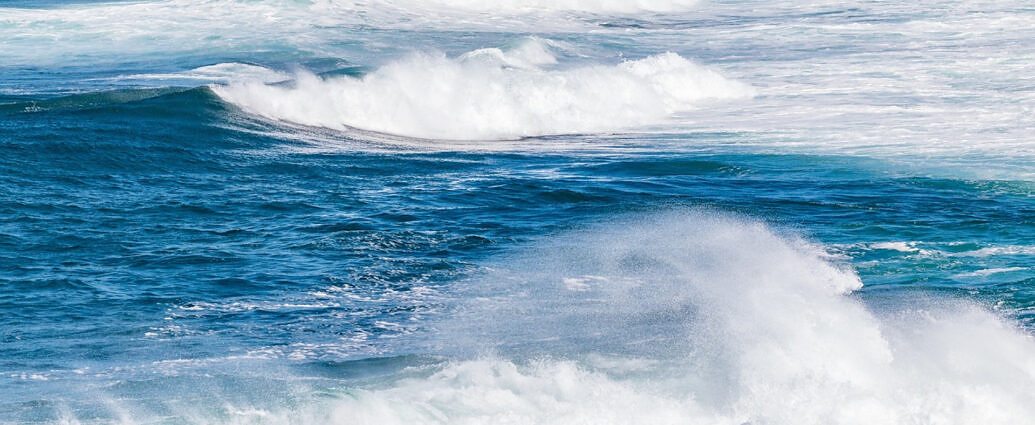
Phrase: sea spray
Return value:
(727, 321)
(685, 318)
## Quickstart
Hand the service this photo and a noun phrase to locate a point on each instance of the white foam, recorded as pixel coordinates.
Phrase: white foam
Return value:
(998, 250)
(990, 271)
(491, 94)
(688, 318)
(896, 246)
(748, 326)
(218, 73)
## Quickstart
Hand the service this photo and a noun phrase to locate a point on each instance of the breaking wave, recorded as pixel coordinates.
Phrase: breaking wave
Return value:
(690, 318)
(708, 319)
(491, 94)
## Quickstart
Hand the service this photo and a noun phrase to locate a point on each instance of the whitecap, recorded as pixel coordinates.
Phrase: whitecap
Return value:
(492, 94)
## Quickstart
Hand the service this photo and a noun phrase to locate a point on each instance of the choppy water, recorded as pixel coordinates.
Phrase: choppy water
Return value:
(663, 211)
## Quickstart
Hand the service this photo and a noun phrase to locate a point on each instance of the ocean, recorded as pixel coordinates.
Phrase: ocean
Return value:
(309, 212)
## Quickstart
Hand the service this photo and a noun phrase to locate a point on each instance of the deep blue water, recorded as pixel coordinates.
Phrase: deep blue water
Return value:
(168, 256)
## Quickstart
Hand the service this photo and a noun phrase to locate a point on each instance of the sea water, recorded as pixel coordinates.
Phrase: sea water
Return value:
(517, 212)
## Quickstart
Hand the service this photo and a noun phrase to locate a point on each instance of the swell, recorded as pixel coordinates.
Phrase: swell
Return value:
(87, 100)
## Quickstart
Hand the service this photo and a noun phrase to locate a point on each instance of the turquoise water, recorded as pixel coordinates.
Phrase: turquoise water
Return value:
(285, 212)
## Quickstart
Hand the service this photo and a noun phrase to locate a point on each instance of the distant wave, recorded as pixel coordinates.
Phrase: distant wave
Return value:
(491, 94)
(100, 31)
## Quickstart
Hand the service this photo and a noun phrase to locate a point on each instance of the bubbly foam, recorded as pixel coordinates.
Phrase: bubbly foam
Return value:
(491, 94)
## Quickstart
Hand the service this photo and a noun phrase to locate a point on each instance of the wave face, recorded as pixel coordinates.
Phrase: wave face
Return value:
(491, 94)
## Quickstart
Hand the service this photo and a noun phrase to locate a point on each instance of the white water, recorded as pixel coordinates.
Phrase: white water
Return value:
(689, 318)
(223, 73)
(491, 94)
(703, 319)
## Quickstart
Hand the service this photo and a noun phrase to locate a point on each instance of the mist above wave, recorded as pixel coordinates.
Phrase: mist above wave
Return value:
(685, 318)
(491, 94)
(709, 318)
